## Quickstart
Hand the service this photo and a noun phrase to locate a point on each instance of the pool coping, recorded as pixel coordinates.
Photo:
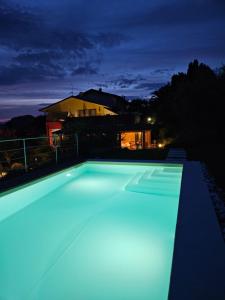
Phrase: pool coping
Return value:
(198, 268)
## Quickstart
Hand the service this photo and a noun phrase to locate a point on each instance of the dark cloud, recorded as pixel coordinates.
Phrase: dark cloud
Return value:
(126, 81)
(110, 39)
(87, 69)
(170, 13)
(137, 83)
(16, 73)
(127, 47)
(163, 71)
(149, 86)
(102, 85)
(45, 57)
(15, 24)
(23, 29)
(46, 53)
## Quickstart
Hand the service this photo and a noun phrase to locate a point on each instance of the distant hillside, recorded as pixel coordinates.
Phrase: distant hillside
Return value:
(23, 126)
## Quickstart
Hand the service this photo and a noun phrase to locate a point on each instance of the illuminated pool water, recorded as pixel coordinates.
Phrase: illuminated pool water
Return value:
(100, 231)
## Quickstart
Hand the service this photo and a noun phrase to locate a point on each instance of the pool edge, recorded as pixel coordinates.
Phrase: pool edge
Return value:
(198, 265)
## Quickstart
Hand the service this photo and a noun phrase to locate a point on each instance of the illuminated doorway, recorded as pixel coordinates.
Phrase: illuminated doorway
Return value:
(134, 140)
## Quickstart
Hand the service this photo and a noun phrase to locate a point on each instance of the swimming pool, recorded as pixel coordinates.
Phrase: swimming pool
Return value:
(97, 231)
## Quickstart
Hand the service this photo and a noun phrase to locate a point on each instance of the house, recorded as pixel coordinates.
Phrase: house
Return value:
(83, 105)
(97, 112)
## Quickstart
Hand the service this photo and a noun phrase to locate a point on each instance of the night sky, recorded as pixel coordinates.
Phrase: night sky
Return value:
(127, 47)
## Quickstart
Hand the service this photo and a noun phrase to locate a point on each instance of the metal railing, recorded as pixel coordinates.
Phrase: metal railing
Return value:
(25, 154)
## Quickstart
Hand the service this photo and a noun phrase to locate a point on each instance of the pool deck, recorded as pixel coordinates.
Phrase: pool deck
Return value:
(198, 269)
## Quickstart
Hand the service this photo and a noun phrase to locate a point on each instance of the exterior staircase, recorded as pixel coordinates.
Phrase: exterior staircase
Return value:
(176, 154)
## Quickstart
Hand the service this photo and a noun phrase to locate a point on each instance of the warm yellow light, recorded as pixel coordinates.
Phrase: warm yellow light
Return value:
(149, 119)
(3, 174)
(160, 145)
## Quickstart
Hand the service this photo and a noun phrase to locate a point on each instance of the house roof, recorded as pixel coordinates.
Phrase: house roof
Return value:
(100, 97)
(95, 96)
(73, 97)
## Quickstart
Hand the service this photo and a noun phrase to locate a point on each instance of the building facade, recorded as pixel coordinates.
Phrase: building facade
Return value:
(97, 112)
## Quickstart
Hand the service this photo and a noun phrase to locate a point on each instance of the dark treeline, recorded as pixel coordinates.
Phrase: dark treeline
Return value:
(23, 126)
(190, 109)
(190, 112)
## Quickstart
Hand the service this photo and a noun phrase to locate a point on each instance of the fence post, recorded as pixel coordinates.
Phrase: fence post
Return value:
(25, 154)
(77, 146)
(56, 154)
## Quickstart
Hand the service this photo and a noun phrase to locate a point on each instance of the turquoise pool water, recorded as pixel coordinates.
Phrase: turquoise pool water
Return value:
(99, 231)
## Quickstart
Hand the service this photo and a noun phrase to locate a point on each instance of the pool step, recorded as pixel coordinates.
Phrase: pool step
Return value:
(155, 182)
(153, 190)
(165, 174)
(159, 181)
(172, 170)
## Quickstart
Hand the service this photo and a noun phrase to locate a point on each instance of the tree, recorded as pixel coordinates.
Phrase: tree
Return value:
(190, 107)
